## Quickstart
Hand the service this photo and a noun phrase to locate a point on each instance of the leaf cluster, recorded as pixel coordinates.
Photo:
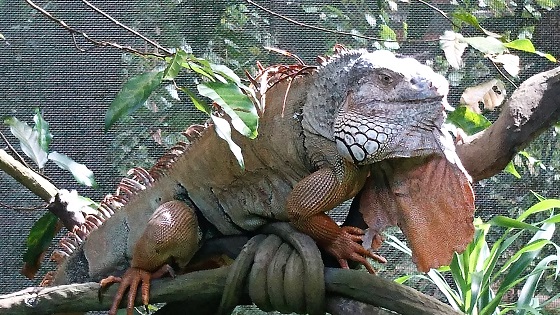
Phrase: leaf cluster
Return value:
(219, 84)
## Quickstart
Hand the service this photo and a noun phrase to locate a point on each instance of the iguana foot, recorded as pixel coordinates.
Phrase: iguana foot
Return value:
(347, 246)
(131, 280)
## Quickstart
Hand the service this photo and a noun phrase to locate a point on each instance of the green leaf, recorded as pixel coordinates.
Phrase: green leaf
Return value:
(547, 56)
(226, 72)
(132, 95)
(28, 139)
(235, 103)
(198, 103)
(529, 289)
(512, 223)
(39, 239)
(81, 173)
(539, 207)
(224, 131)
(522, 44)
(44, 136)
(510, 168)
(470, 19)
(452, 297)
(486, 45)
(389, 35)
(174, 65)
(468, 120)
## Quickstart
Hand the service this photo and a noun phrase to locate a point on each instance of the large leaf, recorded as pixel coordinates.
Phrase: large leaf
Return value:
(224, 131)
(44, 136)
(486, 45)
(132, 95)
(81, 173)
(29, 140)
(468, 120)
(235, 103)
(38, 241)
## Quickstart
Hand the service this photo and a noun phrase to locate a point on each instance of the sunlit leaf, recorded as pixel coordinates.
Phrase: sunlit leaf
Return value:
(512, 223)
(510, 63)
(81, 173)
(510, 168)
(522, 44)
(468, 120)
(224, 131)
(388, 34)
(547, 56)
(132, 96)
(486, 45)
(28, 139)
(235, 103)
(174, 65)
(539, 207)
(453, 46)
(226, 72)
(44, 136)
(38, 241)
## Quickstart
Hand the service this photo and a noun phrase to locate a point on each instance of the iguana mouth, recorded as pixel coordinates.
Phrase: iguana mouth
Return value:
(372, 131)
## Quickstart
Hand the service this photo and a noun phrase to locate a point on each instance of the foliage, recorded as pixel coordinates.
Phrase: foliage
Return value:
(483, 275)
(35, 142)
(221, 85)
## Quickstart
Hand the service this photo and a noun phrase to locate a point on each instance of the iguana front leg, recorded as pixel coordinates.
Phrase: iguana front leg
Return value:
(170, 236)
(321, 191)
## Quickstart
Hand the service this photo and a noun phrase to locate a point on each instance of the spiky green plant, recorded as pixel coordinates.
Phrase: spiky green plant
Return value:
(483, 274)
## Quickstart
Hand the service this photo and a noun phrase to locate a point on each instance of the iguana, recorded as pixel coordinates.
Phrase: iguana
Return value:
(325, 135)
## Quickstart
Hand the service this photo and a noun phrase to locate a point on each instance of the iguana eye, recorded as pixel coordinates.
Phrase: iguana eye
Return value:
(385, 78)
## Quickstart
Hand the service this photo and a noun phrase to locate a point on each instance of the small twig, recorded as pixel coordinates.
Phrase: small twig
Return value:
(322, 29)
(151, 42)
(440, 11)
(99, 43)
(13, 150)
(503, 74)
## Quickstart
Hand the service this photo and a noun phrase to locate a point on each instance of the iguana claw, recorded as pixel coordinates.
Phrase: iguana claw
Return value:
(347, 247)
(131, 280)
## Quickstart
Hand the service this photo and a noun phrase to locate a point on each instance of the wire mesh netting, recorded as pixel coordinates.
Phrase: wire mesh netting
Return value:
(72, 82)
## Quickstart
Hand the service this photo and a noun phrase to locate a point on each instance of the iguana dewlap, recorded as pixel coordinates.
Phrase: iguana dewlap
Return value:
(319, 136)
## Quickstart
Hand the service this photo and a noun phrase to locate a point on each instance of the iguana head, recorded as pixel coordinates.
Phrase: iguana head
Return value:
(394, 107)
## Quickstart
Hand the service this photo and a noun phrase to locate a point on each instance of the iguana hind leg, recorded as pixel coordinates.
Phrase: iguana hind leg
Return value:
(321, 191)
(170, 236)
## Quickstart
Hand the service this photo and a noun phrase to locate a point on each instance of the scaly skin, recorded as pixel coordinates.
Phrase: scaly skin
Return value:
(376, 106)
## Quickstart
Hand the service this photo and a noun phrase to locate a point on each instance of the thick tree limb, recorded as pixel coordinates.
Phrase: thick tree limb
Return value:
(205, 288)
(532, 108)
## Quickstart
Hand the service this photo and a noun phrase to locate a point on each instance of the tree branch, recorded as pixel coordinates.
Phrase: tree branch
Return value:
(36, 183)
(532, 108)
(206, 287)
(99, 43)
